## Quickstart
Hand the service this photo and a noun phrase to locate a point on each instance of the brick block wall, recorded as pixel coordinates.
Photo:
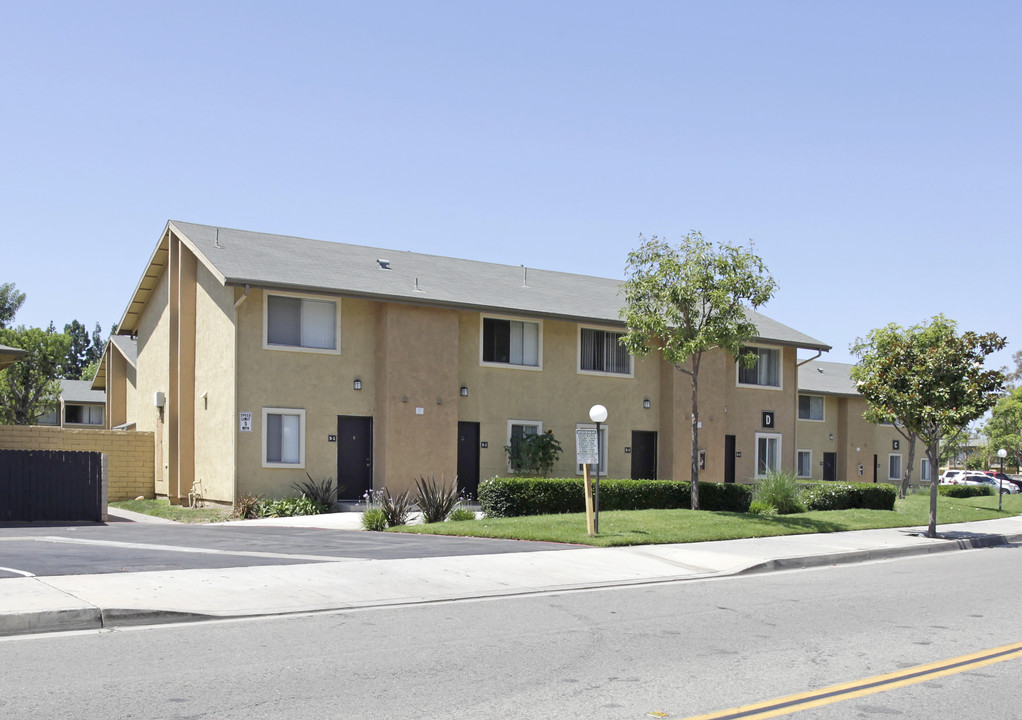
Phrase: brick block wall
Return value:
(131, 455)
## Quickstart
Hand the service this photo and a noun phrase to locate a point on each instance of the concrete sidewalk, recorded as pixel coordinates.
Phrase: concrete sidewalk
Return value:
(80, 602)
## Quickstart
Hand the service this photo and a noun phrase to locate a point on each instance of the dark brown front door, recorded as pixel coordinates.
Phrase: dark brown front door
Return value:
(354, 456)
(643, 455)
(468, 459)
(829, 466)
(729, 458)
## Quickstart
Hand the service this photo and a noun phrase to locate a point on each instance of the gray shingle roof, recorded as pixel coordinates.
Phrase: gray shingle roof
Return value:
(80, 392)
(128, 347)
(826, 378)
(240, 257)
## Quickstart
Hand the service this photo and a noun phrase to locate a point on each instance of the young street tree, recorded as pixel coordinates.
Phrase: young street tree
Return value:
(930, 380)
(687, 300)
(30, 387)
(1004, 428)
(10, 302)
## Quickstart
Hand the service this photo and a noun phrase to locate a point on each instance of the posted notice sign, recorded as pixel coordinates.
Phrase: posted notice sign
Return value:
(586, 451)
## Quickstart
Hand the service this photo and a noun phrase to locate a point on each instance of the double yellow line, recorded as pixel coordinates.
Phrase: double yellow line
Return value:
(866, 686)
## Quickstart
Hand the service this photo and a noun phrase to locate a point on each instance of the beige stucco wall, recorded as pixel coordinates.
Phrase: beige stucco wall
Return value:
(855, 441)
(214, 423)
(727, 408)
(318, 383)
(130, 453)
(559, 396)
(153, 373)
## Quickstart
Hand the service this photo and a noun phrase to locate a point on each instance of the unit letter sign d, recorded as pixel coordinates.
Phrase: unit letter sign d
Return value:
(768, 419)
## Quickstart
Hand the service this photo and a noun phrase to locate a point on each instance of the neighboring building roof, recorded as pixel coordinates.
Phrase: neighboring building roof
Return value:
(80, 392)
(238, 257)
(826, 378)
(127, 346)
(10, 355)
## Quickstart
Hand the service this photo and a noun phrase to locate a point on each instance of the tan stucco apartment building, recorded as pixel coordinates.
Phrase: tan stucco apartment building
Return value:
(836, 443)
(257, 359)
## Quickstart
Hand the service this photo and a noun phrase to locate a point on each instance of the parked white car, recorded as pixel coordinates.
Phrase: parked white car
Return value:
(979, 478)
(948, 478)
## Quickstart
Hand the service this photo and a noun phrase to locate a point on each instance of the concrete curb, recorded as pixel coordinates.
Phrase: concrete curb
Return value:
(96, 618)
(875, 554)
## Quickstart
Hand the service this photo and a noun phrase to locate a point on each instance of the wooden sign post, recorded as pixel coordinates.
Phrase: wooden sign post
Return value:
(587, 453)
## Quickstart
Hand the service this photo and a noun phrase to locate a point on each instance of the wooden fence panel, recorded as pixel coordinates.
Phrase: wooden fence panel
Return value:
(52, 485)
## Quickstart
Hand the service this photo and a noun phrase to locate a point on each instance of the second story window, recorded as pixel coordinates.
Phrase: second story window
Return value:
(810, 407)
(510, 342)
(297, 322)
(602, 351)
(767, 370)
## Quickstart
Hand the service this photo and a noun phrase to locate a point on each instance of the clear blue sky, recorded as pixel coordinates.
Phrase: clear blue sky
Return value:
(871, 149)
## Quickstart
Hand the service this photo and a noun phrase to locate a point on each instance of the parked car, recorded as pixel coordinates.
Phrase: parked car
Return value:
(981, 478)
(1004, 477)
(948, 478)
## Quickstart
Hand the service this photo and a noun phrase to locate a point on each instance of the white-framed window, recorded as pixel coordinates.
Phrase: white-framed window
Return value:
(506, 341)
(768, 453)
(50, 417)
(924, 469)
(601, 352)
(301, 322)
(810, 407)
(518, 429)
(83, 414)
(767, 370)
(283, 437)
(603, 447)
(805, 464)
(894, 466)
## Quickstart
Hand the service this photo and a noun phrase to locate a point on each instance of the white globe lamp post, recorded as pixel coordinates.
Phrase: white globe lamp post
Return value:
(598, 414)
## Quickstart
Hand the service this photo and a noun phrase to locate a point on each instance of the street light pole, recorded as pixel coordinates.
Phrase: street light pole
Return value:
(598, 414)
(1002, 453)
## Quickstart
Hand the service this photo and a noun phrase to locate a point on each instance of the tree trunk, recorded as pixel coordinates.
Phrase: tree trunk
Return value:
(933, 452)
(694, 492)
(911, 461)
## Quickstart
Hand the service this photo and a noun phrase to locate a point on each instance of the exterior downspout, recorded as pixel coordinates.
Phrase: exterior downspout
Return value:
(234, 434)
(794, 450)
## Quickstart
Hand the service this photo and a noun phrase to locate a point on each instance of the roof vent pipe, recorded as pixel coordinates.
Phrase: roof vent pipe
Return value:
(525, 279)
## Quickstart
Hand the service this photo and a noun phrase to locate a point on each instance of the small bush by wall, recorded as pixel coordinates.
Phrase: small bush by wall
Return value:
(848, 496)
(513, 497)
(964, 491)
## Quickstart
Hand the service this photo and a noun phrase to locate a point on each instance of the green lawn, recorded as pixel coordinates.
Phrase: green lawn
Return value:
(645, 527)
(183, 514)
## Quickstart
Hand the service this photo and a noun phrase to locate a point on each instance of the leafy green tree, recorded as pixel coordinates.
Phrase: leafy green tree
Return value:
(10, 302)
(1014, 377)
(83, 351)
(30, 387)
(1004, 428)
(930, 379)
(682, 302)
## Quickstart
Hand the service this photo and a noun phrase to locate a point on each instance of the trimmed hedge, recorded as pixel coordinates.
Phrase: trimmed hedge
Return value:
(964, 491)
(849, 496)
(515, 496)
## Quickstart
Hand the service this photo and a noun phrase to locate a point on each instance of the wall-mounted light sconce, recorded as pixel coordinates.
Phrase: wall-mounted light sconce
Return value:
(645, 403)
(357, 384)
(439, 401)
(832, 436)
(464, 390)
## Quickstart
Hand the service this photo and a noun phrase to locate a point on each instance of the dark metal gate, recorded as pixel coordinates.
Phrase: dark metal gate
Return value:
(52, 485)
